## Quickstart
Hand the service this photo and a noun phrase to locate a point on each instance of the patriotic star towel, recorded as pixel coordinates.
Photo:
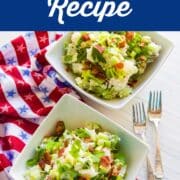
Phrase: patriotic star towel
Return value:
(29, 88)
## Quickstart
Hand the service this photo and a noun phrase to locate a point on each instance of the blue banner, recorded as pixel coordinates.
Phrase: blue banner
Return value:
(90, 15)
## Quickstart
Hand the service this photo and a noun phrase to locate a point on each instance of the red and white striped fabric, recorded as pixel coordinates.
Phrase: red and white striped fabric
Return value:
(29, 88)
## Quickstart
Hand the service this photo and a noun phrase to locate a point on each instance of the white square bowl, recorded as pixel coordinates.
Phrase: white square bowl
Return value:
(56, 51)
(75, 113)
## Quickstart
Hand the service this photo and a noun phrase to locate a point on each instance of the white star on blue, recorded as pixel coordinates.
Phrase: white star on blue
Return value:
(46, 99)
(5, 129)
(23, 135)
(36, 89)
(23, 109)
(10, 155)
(52, 73)
(39, 66)
(29, 34)
(5, 46)
(66, 84)
(11, 93)
(26, 72)
(53, 40)
(44, 89)
(2, 75)
(33, 52)
(34, 119)
(11, 61)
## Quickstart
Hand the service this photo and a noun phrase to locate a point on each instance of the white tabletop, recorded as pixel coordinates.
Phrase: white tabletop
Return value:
(167, 80)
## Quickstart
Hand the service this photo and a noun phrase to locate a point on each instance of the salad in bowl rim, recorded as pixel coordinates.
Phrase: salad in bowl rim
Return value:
(56, 52)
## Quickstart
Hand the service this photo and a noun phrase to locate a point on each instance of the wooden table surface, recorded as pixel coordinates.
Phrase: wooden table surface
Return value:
(167, 80)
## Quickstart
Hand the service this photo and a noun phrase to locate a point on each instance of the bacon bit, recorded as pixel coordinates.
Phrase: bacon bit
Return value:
(119, 65)
(83, 178)
(68, 69)
(101, 76)
(132, 83)
(105, 161)
(66, 142)
(142, 58)
(47, 136)
(49, 177)
(110, 174)
(115, 170)
(96, 69)
(100, 48)
(91, 149)
(122, 44)
(61, 152)
(60, 128)
(129, 35)
(41, 164)
(98, 72)
(142, 44)
(113, 40)
(87, 139)
(47, 158)
(87, 65)
(85, 37)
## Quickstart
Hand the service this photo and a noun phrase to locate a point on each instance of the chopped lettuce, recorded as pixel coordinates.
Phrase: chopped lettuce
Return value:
(88, 152)
(96, 58)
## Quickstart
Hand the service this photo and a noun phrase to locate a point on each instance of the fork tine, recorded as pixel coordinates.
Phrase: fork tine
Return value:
(144, 114)
(150, 101)
(153, 101)
(140, 114)
(160, 101)
(134, 115)
(157, 101)
(137, 114)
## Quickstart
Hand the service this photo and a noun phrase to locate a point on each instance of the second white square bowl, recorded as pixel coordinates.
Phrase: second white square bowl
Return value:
(75, 114)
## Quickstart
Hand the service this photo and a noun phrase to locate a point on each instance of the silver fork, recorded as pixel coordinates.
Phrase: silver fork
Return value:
(139, 124)
(154, 114)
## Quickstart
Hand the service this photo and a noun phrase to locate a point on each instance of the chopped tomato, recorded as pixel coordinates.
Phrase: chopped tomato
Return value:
(105, 161)
(100, 48)
(122, 44)
(129, 35)
(119, 65)
(61, 152)
(85, 37)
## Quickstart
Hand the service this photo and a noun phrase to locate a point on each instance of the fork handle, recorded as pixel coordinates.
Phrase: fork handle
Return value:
(150, 173)
(159, 173)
